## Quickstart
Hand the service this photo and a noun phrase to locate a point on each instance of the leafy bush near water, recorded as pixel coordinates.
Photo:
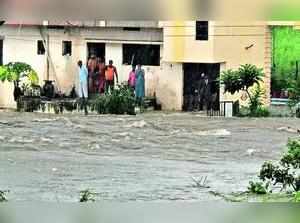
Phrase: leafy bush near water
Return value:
(284, 174)
(120, 101)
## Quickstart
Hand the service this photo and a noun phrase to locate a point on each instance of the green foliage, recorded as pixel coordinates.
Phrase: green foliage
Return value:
(258, 188)
(243, 79)
(256, 102)
(296, 197)
(292, 157)
(250, 75)
(260, 112)
(120, 101)
(87, 196)
(231, 81)
(286, 51)
(285, 172)
(15, 71)
(294, 97)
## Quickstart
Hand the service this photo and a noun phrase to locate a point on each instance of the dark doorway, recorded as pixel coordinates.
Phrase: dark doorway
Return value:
(193, 86)
(1, 52)
(97, 49)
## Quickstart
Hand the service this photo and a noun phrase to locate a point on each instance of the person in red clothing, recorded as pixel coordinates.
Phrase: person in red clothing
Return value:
(131, 78)
(92, 66)
(101, 76)
(110, 73)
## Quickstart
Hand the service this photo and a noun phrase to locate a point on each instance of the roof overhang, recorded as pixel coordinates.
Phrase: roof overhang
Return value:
(120, 41)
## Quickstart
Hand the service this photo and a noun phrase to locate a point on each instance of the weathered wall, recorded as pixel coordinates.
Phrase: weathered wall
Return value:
(230, 43)
(20, 44)
(227, 45)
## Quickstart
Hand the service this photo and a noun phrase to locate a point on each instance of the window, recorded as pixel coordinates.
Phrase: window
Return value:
(144, 54)
(201, 30)
(67, 48)
(40, 47)
(134, 29)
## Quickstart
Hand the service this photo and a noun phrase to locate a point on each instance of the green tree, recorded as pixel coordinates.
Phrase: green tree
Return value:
(242, 80)
(15, 71)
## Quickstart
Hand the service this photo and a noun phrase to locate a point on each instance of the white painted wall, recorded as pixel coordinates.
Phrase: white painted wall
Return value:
(20, 44)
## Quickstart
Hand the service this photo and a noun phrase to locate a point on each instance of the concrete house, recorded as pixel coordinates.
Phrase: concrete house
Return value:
(174, 54)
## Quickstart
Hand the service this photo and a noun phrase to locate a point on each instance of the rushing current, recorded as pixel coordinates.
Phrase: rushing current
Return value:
(148, 157)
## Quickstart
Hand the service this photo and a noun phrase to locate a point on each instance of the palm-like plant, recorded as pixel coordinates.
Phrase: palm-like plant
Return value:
(242, 79)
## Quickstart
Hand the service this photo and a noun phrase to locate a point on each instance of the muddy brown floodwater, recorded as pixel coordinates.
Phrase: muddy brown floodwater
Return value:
(149, 157)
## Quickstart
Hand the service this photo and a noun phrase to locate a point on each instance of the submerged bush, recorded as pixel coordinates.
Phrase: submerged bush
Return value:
(258, 188)
(3, 196)
(87, 196)
(285, 173)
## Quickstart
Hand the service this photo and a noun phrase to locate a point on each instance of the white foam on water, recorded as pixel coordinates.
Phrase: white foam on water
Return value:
(138, 124)
(20, 140)
(288, 129)
(125, 134)
(45, 120)
(214, 132)
(46, 139)
(251, 152)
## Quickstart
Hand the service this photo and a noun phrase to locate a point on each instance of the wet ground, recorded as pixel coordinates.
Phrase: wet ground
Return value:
(149, 157)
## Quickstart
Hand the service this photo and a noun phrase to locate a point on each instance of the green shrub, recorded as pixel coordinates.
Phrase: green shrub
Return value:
(292, 157)
(286, 172)
(119, 101)
(257, 188)
(296, 197)
(260, 112)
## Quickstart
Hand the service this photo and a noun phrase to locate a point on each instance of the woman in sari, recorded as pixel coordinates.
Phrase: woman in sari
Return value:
(140, 85)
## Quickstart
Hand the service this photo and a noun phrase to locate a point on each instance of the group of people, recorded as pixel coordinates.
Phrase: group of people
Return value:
(96, 77)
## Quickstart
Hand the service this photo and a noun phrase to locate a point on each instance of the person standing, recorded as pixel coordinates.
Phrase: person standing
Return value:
(92, 66)
(131, 78)
(110, 73)
(206, 93)
(83, 84)
(140, 85)
(101, 70)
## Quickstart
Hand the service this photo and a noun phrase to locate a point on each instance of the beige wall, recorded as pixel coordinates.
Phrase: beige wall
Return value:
(20, 44)
(226, 45)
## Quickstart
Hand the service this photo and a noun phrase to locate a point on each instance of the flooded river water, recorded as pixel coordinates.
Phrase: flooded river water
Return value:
(149, 157)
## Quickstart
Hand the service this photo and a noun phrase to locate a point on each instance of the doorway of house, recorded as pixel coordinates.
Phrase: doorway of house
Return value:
(97, 49)
(1, 52)
(192, 98)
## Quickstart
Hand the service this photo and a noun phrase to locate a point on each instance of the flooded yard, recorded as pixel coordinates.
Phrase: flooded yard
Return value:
(149, 157)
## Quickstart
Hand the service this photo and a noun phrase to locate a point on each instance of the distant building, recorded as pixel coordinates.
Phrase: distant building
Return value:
(174, 53)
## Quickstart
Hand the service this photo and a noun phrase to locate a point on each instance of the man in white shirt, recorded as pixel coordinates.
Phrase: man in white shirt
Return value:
(83, 85)
(83, 80)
